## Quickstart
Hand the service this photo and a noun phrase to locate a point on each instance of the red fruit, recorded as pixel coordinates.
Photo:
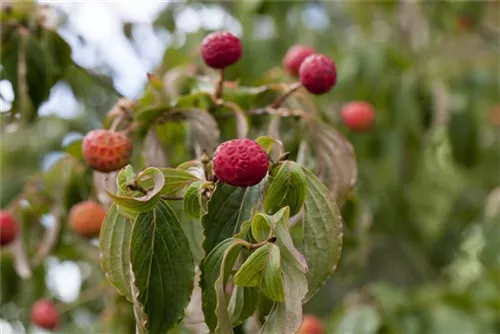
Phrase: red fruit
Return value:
(311, 325)
(86, 218)
(220, 49)
(240, 162)
(295, 56)
(105, 150)
(44, 314)
(358, 116)
(8, 228)
(318, 74)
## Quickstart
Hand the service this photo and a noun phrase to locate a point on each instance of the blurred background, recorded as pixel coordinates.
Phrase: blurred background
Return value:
(421, 251)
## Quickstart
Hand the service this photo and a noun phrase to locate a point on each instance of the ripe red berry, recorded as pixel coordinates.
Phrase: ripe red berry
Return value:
(295, 56)
(8, 228)
(240, 162)
(44, 314)
(318, 74)
(358, 116)
(220, 49)
(86, 218)
(105, 150)
(311, 325)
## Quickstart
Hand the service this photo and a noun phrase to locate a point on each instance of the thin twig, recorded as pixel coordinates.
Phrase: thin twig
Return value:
(279, 101)
(219, 88)
(85, 297)
(51, 238)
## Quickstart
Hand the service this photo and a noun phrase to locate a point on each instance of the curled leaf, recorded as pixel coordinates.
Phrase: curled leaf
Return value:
(149, 200)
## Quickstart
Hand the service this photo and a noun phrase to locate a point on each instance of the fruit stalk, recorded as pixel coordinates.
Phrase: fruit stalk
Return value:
(292, 89)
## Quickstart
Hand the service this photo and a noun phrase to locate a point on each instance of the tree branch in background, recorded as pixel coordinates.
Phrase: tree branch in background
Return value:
(50, 239)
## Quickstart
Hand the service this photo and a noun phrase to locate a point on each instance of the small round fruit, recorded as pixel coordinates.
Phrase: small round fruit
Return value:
(105, 150)
(358, 116)
(311, 325)
(8, 228)
(295, 56)
(318, 74)
(44, 314)
(240, 162)
(220, 49)
(86, 218)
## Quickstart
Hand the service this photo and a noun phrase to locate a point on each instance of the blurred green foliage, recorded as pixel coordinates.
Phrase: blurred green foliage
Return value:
(420, 251)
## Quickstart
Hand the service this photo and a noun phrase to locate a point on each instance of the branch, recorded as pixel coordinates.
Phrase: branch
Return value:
(50, 239)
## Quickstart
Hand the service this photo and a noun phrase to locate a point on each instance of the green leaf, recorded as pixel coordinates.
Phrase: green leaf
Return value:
(284, 239)
(322, 233)
(176, 180)
(216, 268)
(272, 280)
(114, 245)
(286, 317)
(359, 320)
(288, 188)
(267, 143)
(125, 177)
(192, 200)
(163, 267)
(242, 304)
(146, 202)
(261, 227)
(227, 209)
(250, 272)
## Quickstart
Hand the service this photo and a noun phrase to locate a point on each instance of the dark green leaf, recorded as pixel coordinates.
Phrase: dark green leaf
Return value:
(227, 209)
(322, 233)
(163, 267)
(288, 188)
(114, 244)
(250, 272)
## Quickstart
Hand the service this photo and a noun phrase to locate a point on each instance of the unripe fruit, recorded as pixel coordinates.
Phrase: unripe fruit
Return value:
(44, 314)
(8, 228)
(86, 218)
(358, 116)
(105, 150)
(295, 56)
(318, 74)
(240, 162)
(311, 325)
(220, 49)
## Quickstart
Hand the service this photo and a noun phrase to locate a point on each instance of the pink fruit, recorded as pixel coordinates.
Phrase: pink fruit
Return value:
(318, 74)
(105, 150)
(9, 228)
(220, 49)
(44, 314)
(295, 56)
(240, 162)
(358, 116)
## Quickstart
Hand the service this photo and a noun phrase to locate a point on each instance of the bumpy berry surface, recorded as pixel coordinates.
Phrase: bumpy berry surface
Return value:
(295, 56)
(105, 150)
(86, 218)
(358, 116)
(44, 314)
(8, 228)
(220, 49)
(311, 325)
(240, 162)
(318, 74)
